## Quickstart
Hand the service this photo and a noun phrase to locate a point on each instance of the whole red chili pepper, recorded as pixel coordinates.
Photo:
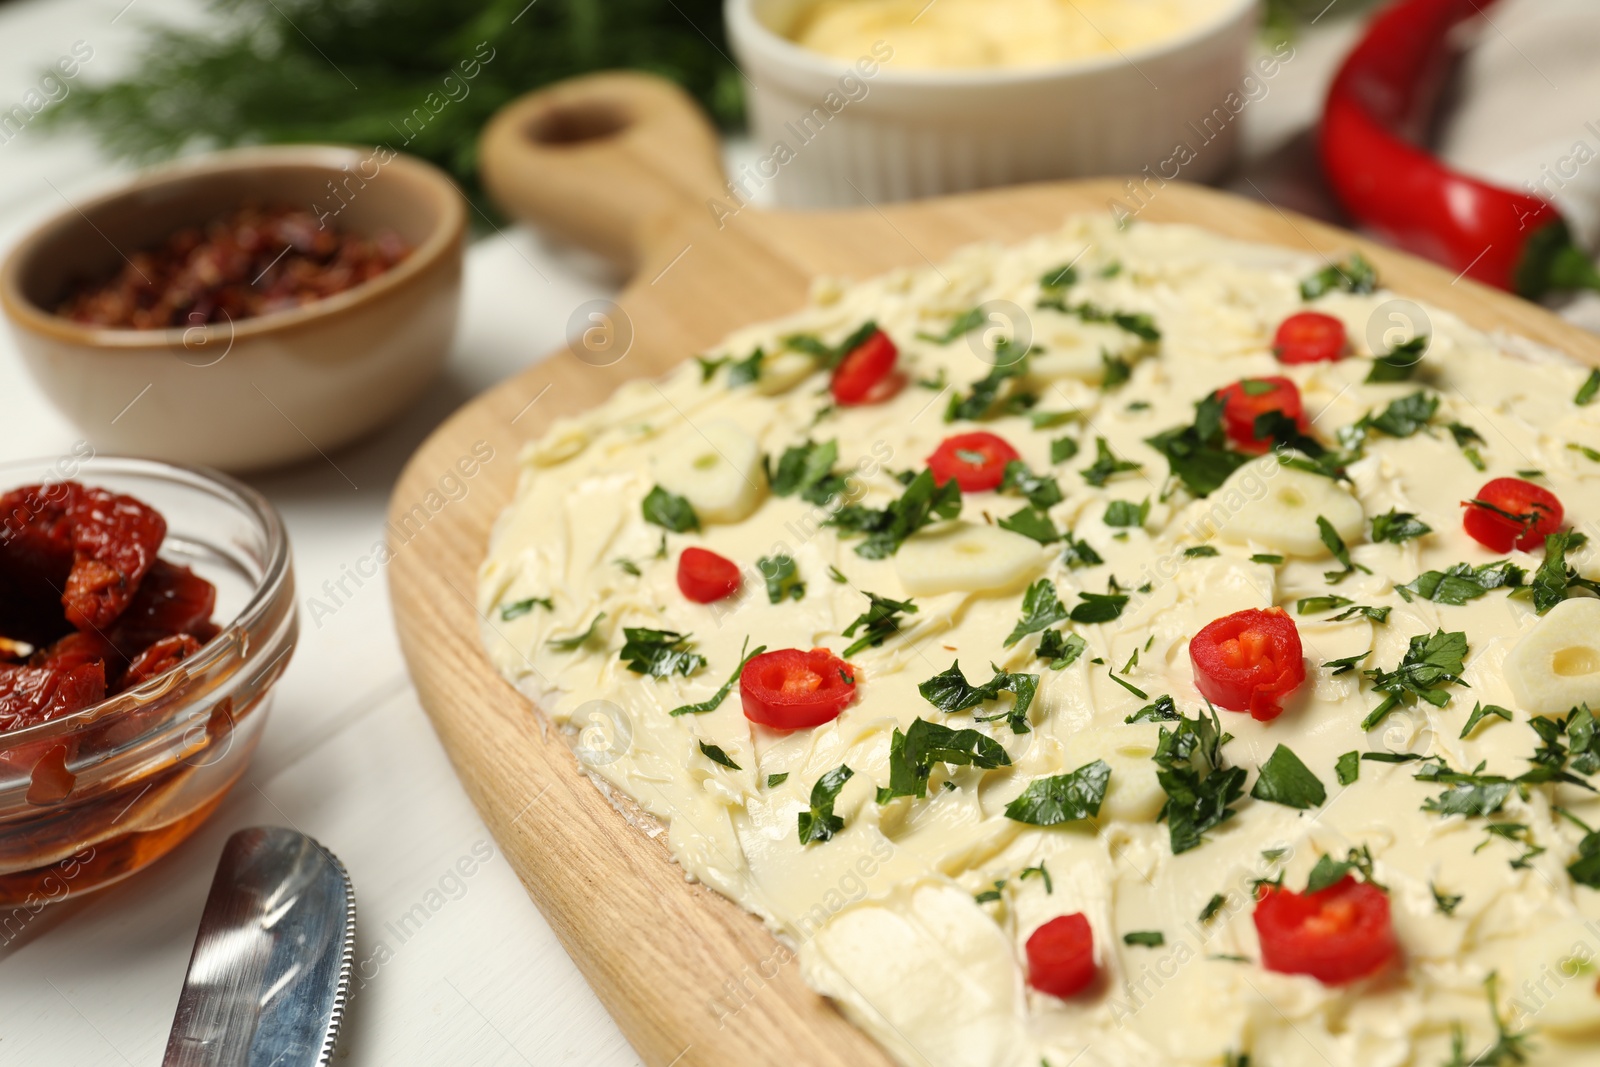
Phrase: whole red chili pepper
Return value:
(1381, 100)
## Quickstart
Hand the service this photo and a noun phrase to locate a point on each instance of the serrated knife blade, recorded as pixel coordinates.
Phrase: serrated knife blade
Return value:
(270, 971)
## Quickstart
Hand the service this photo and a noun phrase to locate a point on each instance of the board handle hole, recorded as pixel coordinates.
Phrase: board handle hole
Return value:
(576, 124)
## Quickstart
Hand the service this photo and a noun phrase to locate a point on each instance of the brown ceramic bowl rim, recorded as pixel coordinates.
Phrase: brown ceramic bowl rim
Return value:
(439, 243)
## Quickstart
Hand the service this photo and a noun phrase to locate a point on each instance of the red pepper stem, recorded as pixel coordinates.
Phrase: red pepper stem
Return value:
(1552, 261)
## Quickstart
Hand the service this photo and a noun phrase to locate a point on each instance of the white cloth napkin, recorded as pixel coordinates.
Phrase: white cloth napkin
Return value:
(1527, 114)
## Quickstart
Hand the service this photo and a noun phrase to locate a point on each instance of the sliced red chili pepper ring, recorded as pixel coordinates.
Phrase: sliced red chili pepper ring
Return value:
(866, 374)
(1336, 935)
(1061, 956)
(1247, 400)
(1309, 337)
(1510, 512)
(977, 461)
(791, 688)
(704, 576)
(1249, 661)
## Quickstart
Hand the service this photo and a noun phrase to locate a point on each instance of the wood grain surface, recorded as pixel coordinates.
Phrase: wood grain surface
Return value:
(626, 165)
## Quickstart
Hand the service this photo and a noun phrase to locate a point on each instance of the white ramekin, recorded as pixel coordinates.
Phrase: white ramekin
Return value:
(899, 135)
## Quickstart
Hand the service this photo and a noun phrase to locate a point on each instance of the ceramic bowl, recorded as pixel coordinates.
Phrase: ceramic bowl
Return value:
(839, 134)
(262, 391)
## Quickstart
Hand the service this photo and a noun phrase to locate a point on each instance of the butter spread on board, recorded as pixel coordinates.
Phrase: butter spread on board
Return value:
(913, 915)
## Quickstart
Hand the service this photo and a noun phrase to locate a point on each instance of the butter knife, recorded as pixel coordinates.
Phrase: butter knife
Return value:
(270, 971)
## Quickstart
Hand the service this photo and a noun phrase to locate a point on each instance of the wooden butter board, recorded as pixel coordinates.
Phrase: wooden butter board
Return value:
(626, 164)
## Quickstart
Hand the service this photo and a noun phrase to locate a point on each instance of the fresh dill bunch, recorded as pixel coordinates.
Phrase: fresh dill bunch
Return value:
(389, 72)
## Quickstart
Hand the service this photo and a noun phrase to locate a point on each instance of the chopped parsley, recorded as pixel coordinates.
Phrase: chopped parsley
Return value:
(523, 607)
(1129, 686)
(1042, 490)
(1467, 439)
(1587, 391)
(715, 754)
(912, 755)
(1032, 522)
(782, 577)
(1199, 784)
(830, 355)
(1213, 906)
(744, 371)
(1470, 793)
(1271, 559)
(1162, 709)
(1197, 454)
(1106, 465)
(1348, 768)
(1099, 607)
(1041, 609)
(820, 823)
(1197, 551)
(1401, 361)
(949, 691)
(1062, 798)
(1049, 420)
(922, 503)
(1356, 276)
(1510, 1047)
(1445, 902)
(1349, 663)
(775, 780)
(807, 469)
(1405, 416)
(960, 326)
(670, 511)
(1079, 554)
(1127, 513)
(577, 641)
(878, 623)
(1329, 871)
(836, 576)
(1335, 545)
(1585, 870)
(1430, 665)
(1054, 281)
(989, 896)
(1064, 448)
(1462, 582)
(1397, 527)
(1138, 323)
(1145, 938)
(985, 398)
(1481, 711)
(714, 702)
(659, 653)
(1040, 872)
(1312, 604)
(1115, 371)
(709, 366)
(1285, 780)
(1554, 581)
(1061, 649)
(629, 567)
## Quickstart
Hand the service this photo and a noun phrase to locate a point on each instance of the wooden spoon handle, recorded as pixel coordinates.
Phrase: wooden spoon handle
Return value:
(608, 161)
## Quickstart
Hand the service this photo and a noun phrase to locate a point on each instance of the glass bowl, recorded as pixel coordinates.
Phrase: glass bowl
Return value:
(89, 798)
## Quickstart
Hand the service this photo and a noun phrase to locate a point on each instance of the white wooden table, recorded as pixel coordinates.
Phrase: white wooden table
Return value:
(451, 968)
